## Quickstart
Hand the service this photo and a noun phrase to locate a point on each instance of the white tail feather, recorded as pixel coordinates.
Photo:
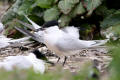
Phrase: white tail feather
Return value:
(100, 42)
(33, 23)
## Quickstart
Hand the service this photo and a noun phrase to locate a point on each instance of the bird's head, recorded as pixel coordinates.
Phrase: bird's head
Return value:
(50, 26)
(39, 54)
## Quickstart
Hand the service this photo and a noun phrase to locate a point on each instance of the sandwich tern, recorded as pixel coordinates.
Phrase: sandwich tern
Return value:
(23, 62)
(64, 42)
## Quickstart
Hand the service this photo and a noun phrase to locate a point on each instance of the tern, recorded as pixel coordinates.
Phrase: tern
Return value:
(64, 42)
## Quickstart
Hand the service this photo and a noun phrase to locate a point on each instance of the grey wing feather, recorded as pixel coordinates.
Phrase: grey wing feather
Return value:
(25, 24)
(35, 26)
(27, 33)
(99, 42)
(69, 44)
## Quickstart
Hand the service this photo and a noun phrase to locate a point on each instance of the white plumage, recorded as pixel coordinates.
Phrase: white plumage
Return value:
(64, 41)
(71, 30)
(1, 28)
(23, 62)
(66, 44)
(4, 41)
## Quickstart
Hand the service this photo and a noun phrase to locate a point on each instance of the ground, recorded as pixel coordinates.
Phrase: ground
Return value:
(98, 56)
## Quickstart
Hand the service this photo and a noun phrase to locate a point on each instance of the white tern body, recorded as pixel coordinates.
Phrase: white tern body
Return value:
(23, 62)
(65, 41)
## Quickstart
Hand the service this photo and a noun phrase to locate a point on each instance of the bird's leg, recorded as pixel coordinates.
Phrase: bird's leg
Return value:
(53, 64)
(22, 48)
(64, 60)
(58, 59)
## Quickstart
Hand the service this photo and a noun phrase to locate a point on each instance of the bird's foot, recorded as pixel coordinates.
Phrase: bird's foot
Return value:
(65, 60)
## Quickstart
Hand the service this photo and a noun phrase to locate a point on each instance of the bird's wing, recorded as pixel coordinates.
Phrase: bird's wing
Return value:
(25, 32)
(35, 36)
(99, 42)
(70, 44)
(35, 26)
(4, 41)
(71, 30)
(25, 24)
(67, 43)
(19, 40)
(3, 44)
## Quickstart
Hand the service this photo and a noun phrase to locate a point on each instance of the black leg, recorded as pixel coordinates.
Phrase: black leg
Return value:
(58, 59)
(53, 64)
(22, 48)
(64, 60)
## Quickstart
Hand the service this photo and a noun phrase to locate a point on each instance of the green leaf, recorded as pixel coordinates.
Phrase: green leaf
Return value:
(73, 1)
(51, 14)
(11, 12)
(90, 5)
(44, 3)
(116, 29)
(26, 7)
(64, 20)
(104, 11)
(65, 6)
(111, 20)
(55, 1)
(112, 32)
(79, 9)
(86, 32)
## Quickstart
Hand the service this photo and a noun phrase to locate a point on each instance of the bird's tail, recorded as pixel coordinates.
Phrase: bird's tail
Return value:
(99, 42)
(36, 26)
(19, 42)
(31, 35)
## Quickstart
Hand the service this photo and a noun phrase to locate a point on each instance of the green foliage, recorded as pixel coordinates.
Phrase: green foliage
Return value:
(91, 5)
(65, 20)
(44, 3)
(86, 33)
(66, 11)
(51, 14)
(104, 11)
(11, 13)
(79, 9)
(115, 63)
(55, 9)
(26, 7)
(65, 6)
(111, 20)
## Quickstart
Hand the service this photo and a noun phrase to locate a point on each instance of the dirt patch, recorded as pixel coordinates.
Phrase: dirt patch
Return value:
(98, 56)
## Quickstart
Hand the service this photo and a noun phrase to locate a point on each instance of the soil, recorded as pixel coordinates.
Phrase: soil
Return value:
(97, 56)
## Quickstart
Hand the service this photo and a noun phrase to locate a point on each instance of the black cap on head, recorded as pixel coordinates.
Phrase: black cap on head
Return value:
(50, 23)
(39, 54)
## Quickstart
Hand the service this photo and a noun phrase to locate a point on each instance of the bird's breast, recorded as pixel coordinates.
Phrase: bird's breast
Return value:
(51, 41)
